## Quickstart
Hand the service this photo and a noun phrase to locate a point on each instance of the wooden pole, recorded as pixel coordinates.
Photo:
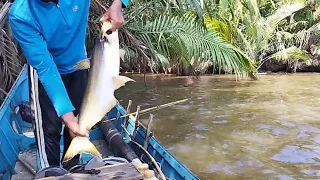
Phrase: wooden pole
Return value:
(136, 124)
(127, 112)
(148, 133)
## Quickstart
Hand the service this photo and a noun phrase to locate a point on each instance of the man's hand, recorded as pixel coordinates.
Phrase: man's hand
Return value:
(72, 124)
(114, 15)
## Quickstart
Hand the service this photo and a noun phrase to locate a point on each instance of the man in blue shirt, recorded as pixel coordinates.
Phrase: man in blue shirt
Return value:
(51, 34)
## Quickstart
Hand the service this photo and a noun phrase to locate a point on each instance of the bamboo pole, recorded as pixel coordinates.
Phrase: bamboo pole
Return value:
(163, 177)
(149, 110)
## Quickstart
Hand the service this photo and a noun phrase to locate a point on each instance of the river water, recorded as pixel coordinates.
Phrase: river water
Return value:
(265, 129)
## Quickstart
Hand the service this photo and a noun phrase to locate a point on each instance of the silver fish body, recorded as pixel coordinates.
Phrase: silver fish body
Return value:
(99, 97)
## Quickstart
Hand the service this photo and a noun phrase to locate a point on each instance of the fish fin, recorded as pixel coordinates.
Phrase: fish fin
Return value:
(80, 145)
(122, 52)
(83, 64)
(119, 81)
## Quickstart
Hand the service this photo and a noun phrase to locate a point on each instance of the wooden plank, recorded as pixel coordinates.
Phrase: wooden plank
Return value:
(28, 157)
(123, 171)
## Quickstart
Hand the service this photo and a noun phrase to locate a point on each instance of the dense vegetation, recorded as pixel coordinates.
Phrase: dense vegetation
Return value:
(188, 37)
(232, 36)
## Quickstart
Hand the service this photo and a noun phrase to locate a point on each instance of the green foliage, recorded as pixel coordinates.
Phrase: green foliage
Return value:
(291, 53)
(167, 35)
(255, 26)
(223, 29)
(161, 35)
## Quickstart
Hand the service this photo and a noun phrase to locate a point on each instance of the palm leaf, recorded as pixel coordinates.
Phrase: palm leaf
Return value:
(185, 35)
(10, 63)
(291, 53)
(224, 30)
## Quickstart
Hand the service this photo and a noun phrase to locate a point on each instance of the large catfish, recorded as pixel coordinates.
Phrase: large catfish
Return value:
(99, 97)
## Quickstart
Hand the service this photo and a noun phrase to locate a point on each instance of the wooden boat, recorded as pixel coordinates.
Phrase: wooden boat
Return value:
(17, 143)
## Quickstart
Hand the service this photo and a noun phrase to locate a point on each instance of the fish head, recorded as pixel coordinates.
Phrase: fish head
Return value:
(105, 29)
(112, 38)
(107, 34)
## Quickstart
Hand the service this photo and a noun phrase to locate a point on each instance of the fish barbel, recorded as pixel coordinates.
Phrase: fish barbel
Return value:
(99, 97)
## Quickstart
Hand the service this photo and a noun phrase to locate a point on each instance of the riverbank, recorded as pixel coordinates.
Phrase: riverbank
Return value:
(291, 66)
(268, 67)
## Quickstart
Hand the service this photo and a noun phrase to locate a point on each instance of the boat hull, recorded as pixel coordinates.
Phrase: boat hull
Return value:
(13, 139)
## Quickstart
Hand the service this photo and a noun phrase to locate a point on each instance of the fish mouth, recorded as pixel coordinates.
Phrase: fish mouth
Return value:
(104, 35)
(104, 39)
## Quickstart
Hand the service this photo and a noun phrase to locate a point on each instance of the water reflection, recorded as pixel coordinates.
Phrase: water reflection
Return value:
(266, 129)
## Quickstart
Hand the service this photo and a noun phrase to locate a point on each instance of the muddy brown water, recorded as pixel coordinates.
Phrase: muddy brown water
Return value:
(265, 129)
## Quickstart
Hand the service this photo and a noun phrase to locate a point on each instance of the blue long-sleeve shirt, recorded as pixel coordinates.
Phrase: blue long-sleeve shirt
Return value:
(52, 38)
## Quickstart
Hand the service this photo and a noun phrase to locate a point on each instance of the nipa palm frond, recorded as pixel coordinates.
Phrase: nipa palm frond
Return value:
(10, 63)
(291, 53)
(182, 36)
(223, 29)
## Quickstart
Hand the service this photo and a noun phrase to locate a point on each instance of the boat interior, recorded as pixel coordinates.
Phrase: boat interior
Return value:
(128, 148)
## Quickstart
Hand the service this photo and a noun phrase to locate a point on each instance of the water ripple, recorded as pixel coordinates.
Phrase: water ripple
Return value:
(284, 177)
(311, 172)
(201, 127)
(266, 171)
(220, 122)
(279, 131)
(294, 154)
(310, 129)
(288, 124)
(228, 126)
(199, 136)
(202, 109)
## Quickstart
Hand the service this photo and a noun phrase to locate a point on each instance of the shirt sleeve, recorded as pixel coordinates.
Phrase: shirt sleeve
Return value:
(38, 56)
(125, 3)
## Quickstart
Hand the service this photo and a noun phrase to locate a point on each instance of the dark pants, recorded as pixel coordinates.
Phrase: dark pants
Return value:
(47, 124)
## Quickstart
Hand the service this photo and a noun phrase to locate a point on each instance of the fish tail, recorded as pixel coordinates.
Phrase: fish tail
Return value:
(80, 145)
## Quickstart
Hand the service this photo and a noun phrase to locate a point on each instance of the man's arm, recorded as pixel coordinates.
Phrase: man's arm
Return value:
(36, 52)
